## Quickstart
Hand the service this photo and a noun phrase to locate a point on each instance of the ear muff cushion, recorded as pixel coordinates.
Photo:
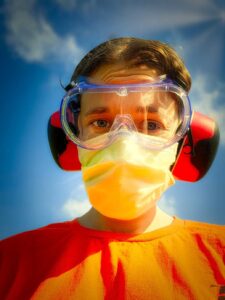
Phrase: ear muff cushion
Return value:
(198, 149)
(63, 150)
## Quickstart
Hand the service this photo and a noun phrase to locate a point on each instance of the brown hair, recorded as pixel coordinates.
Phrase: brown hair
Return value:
(134, 52)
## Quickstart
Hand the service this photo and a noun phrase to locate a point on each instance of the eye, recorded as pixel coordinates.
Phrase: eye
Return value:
(101, 123)
(153, 125)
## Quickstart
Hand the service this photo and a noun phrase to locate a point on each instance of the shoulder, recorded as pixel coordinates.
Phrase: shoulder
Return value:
(40, 237)
(204, 228)
(32, 254)
(35, 248)
(206, 234)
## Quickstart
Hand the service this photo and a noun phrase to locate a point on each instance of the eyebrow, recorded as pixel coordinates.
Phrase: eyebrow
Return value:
(97, 110)
(104, 109)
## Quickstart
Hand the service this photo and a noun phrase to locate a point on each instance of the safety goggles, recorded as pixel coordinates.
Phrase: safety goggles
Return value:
(156, 113)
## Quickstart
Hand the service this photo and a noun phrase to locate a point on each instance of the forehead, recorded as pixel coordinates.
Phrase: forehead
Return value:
(118, 74)
(135, 104)
(121, 74)
(132, 100)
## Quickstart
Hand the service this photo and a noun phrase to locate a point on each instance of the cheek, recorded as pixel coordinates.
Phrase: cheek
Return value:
(84, 131)
(80, 127)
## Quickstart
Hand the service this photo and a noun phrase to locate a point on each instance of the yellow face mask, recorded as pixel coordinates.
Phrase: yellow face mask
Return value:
(124, 180)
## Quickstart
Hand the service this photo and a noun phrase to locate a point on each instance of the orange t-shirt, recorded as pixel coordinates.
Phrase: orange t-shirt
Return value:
(185, 260)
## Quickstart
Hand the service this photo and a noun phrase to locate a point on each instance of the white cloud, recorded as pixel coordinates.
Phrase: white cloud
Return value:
(209, 101)
(81, 187)
(73, 208)
(151, 16)
(66, 4)
(89, 6)
(33, 38)
(77, 203)
(168, 204)
(81, 6)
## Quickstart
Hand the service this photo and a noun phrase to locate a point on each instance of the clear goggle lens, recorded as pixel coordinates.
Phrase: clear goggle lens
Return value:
(94, 115)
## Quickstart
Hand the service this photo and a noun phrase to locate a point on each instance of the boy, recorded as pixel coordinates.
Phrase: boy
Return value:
(127, 111)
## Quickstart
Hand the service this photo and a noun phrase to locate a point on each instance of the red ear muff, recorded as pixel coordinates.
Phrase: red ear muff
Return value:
(197, 149)
(63, 150)
(195, 155)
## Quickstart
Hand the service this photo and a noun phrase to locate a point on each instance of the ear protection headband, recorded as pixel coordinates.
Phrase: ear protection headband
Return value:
(196, 150)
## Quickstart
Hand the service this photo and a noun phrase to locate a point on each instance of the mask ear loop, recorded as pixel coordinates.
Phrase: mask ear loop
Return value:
(189, 145)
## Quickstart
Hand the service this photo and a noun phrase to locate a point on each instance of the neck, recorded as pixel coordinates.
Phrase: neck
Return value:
(153, 219)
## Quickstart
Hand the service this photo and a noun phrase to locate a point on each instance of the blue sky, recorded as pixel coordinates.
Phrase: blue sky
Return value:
(41, 43)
